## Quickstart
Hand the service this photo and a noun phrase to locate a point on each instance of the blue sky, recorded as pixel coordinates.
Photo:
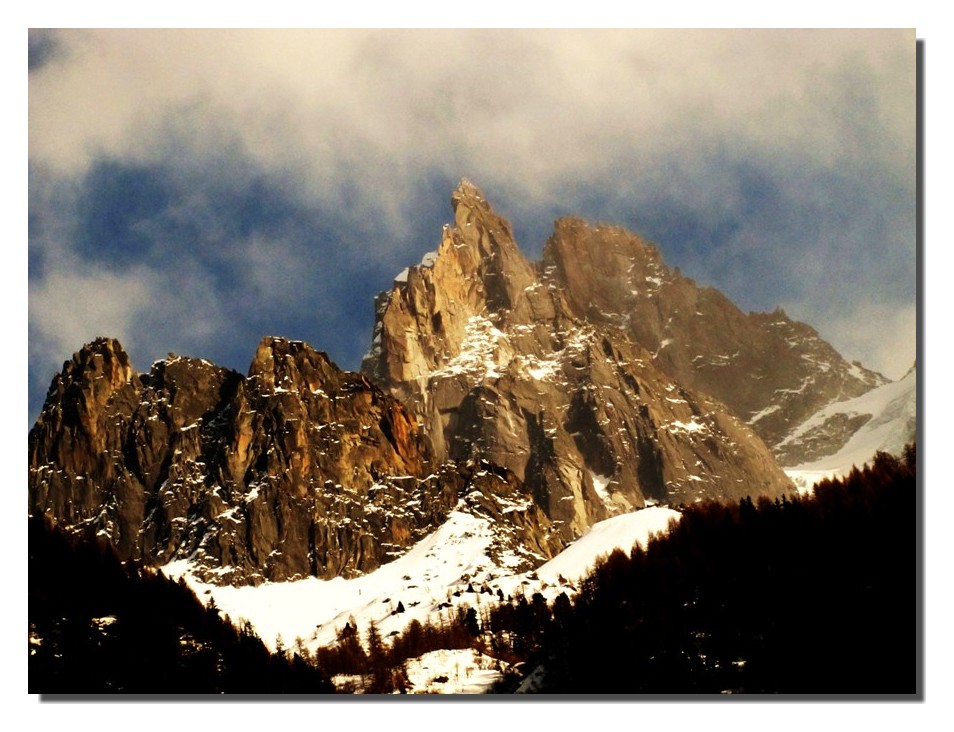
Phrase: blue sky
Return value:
(192, 191)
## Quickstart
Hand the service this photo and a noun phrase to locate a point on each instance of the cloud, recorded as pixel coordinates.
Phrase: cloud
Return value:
(70, 309)
(73, 303)
(41, 47)
(883, 337)
(380, 106)
(225, 184)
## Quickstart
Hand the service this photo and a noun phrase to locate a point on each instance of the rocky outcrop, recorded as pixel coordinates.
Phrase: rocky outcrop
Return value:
(502, 360)
(881, 420)
(771, 371)
(77, 454)
(296, 469)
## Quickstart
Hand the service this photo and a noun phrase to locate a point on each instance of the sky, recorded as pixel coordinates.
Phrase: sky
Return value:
(191, 191)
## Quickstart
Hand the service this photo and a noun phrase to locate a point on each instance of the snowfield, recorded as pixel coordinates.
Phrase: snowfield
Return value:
(618, 532)
(893, 408)
(443, 571)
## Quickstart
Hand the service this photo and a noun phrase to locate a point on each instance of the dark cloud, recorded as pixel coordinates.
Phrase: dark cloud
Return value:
(42, 47)
(195, 190)
(207, 263)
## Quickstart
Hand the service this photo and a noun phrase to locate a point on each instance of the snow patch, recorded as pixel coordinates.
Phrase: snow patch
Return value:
(893, 407)
(664, 343)
(771, 409)
(620, 532)
(687, 427)
(483, 351)
(599, 485)
(464, 671)
(539, 369)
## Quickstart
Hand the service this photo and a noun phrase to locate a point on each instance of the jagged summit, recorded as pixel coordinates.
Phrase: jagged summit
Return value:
(286, 364)
(770, 370)
(476, 271)
(467, 191)
(501, 358)
(103, 358)
(297, 469)
(543, 397)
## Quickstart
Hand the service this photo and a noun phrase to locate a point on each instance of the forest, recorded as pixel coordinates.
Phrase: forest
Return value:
(101, 626)
(810, 595)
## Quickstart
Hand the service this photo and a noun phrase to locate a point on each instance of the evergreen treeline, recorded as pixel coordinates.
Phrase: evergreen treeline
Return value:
(379, 664)
(812, 595)
(97, 625)
(808, 595)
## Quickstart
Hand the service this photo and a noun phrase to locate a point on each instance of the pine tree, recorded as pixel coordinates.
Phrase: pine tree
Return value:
(378, 666)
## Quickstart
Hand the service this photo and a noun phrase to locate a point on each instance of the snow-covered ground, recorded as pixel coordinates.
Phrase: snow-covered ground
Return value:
(893, 408)
(464, 671)
(446, 569)
(445, 671)
(618, 532)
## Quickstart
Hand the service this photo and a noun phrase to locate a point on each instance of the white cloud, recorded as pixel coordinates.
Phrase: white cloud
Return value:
(883, 337)
(353, 121)
(149, 312)
(68, 309)
(524, 108)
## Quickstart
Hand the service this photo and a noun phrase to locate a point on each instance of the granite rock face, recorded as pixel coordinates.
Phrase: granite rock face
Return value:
(771, 371)
(297, 469)
(501, 359)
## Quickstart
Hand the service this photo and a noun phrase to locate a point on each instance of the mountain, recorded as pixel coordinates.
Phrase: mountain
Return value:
(771, 371)
(883, 419)
(521, 363)
(537, 399)
(297, 469)
(475, 319)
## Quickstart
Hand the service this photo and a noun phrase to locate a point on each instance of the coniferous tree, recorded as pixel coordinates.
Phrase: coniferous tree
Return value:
(798, 595)
(97, 626)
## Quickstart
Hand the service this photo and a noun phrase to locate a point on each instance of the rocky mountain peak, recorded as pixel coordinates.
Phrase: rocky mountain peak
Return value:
(297, 469)
(97, 378)
(770, 370)
(477, 273)
(280, 364)
(524, 366)
(497, 262)
(600, 267)
(102, 366)
(470, 197)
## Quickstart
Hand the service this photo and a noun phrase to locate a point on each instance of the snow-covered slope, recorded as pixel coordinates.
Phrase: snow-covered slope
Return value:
(462, 671)
(449, 568)
(892, 421)
(621, 532)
